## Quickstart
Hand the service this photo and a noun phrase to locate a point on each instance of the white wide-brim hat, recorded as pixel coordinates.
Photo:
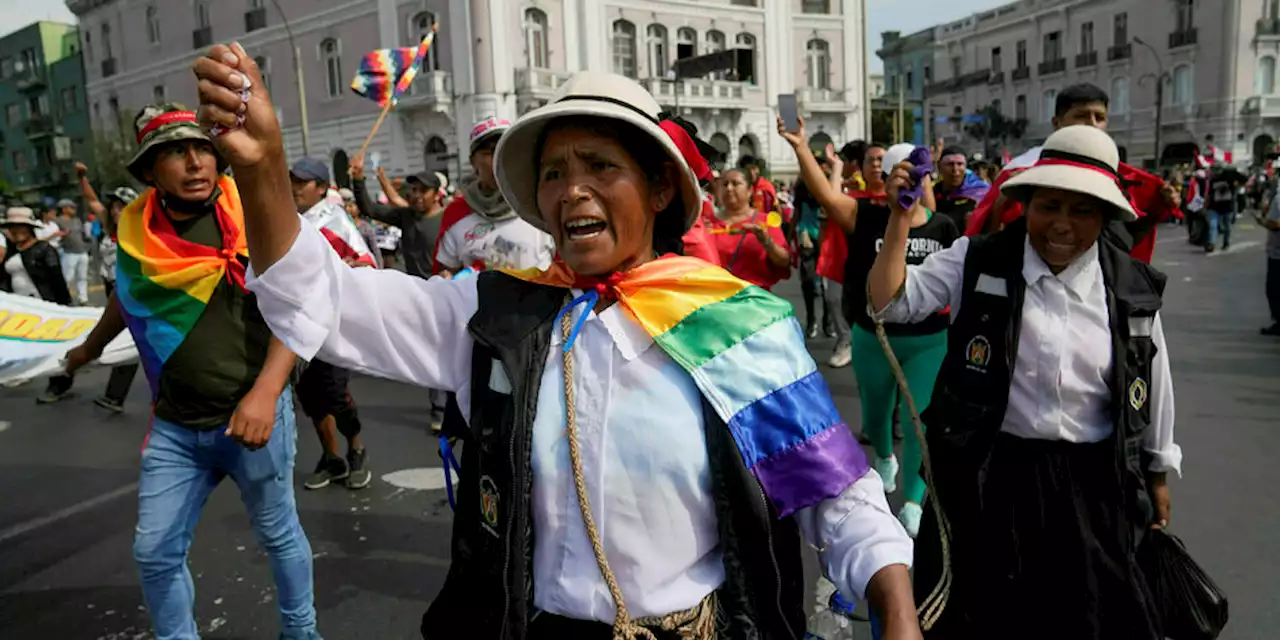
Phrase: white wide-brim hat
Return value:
(586, 93)
(17, 216)
(1078, 158)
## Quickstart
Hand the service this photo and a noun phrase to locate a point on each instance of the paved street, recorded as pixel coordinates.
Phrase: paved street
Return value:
(69, 475)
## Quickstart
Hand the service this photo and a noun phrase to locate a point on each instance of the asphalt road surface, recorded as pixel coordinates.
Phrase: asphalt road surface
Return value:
(69, 474)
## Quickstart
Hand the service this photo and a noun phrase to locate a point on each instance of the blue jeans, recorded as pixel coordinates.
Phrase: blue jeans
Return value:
(180, 468)
(1219, 220)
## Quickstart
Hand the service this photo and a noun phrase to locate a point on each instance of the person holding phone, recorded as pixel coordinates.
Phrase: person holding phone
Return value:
(920, 346)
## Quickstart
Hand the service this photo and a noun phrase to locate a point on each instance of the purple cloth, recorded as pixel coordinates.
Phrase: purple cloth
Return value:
(921, 165)
(819, 468)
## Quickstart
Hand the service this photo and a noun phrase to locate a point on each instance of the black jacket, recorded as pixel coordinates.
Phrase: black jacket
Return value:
(45, 269)
(972, 390)
(488, 594)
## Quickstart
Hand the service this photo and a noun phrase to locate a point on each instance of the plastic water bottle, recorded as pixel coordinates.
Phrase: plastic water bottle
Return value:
(832, 621)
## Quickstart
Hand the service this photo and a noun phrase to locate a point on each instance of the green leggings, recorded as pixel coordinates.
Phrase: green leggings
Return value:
(920, 357)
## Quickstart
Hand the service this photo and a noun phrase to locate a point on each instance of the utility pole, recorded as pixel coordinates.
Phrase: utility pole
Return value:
(1160, 78)
(302, 87)
(866, 77)
(902, 110)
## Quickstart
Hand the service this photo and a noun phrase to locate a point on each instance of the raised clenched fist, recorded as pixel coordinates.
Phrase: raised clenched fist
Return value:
(234, 100)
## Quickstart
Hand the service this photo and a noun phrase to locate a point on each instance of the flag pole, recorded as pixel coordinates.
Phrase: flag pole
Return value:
(377, 123)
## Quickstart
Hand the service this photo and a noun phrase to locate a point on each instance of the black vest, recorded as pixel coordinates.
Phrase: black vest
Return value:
(972, 389)
(488, 593)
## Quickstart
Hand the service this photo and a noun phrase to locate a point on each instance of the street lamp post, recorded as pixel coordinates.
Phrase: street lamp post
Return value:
(1160, 78)
(302, 87)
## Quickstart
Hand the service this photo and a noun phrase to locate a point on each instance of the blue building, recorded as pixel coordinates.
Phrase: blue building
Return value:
(908, 70)
(45, 122)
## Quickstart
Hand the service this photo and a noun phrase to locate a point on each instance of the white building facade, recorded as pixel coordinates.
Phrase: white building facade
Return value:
(491, 57)
(1216, 59)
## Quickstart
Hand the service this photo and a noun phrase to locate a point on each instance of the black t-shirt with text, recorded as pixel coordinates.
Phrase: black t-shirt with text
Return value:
(864, 245)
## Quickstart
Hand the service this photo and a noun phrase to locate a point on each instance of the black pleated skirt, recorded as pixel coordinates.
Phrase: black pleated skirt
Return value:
(1048, 553)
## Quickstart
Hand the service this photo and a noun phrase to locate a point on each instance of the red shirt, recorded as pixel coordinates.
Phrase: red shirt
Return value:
(697, 242)
(835, 246)
(744, 256)
(764, 197)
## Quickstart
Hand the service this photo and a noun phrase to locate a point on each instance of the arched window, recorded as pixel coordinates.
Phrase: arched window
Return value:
(1265, 81)
(436, 155)
(716, 42)
(1182, 85)
(748, 41)
(153, 24)
(686, 43)
(1047, 104)
(331, 54)
(819, 141)
(997, 106)
(747, 146)
(1119, 96)
(264, 66)
(624, 48)
(656, 44)
(1020, 107)
(818, 64)
(535, 39)
(419, 27)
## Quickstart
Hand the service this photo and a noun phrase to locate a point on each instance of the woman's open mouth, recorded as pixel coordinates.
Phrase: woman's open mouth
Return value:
(584, 228)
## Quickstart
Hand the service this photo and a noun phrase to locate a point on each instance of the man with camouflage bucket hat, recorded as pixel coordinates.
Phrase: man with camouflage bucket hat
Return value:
(219, 379)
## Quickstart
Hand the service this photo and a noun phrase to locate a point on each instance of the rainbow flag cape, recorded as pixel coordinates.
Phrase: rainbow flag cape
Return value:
(385, 74)
(745, 350)
(164, 282)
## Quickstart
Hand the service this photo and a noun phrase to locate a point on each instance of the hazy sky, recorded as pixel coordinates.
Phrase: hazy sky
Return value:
(883, 15)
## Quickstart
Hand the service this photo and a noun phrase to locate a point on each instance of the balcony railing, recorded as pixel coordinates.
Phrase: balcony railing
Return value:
(1120, 52)
(1021, 73)
(535, 81)
(202, 37)
(1088, 59)
(38, 126)
(108, 67)
(997, 77)
(1184, 38)
(1269, 27)
(431, 89)
(1052, 66)
(32, 79)
(713, 94)
(813, 96)
(255, 19)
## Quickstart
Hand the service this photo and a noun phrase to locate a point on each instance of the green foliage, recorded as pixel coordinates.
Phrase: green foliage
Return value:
(995, 130)
(882, 129)
(111, 150)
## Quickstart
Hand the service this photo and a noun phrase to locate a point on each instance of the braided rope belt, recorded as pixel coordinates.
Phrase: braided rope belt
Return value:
(695, 623)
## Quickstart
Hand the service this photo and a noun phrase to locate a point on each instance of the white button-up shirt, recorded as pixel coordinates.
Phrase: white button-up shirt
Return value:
(1059, 388)
(640, 428)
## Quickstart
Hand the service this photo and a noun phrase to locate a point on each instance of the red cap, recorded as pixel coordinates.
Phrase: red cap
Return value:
(684, 142)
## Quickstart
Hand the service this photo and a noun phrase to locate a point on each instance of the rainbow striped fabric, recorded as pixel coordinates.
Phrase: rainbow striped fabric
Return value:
(386, 74)
(164, 282)
(745, 350)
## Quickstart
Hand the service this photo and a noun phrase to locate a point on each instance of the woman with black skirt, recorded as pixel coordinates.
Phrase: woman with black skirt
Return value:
(1051, 423)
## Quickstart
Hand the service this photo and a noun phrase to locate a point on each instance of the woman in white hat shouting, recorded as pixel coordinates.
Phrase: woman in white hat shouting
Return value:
(1051, 422)
(649, 440)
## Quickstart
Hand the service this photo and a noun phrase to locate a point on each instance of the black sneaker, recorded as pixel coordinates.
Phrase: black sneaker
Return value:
(110, 404)
(59, 388)
(331, 468)
(358, 477)
(1273, 330)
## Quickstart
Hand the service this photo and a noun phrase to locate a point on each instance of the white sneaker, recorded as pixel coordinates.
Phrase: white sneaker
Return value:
(910, 516)
(888, 470)
(841, 358)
